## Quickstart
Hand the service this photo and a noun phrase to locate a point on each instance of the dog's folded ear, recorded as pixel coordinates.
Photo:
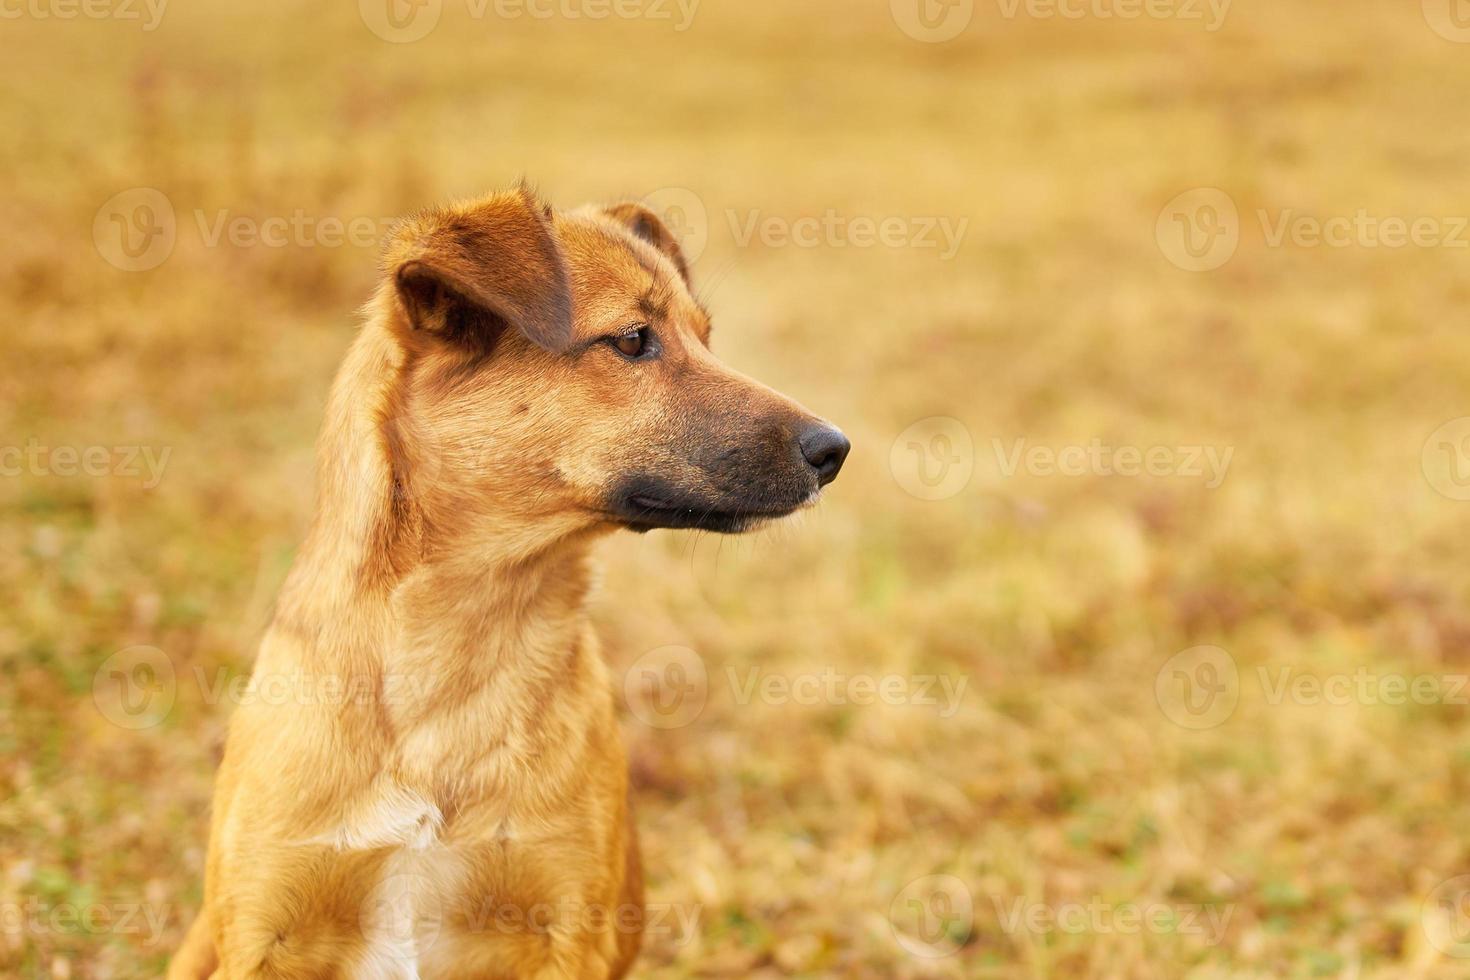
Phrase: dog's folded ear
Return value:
(648, 226)
(467, 273)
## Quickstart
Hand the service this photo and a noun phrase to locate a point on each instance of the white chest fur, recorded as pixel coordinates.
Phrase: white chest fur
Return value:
(403, 916)
(400, 920)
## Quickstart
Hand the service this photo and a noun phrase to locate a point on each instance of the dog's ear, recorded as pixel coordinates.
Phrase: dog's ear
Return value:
(466, 274)
(642, 222)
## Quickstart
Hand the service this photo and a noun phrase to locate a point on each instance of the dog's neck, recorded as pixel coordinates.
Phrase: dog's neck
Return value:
(469, 644)
(374, 590)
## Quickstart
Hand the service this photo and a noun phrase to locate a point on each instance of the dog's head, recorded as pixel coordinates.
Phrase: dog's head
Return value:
(557, 366)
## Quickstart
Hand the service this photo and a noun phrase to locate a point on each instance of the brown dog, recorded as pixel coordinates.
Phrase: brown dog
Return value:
(430, 739)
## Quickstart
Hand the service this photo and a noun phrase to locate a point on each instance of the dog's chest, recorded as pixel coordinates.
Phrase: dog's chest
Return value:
(420, 897)
(413, 908)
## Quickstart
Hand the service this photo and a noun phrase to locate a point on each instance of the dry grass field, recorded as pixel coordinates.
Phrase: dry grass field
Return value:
(1132, 642)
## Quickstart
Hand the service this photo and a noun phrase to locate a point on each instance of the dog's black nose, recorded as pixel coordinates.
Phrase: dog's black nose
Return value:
(824, 448)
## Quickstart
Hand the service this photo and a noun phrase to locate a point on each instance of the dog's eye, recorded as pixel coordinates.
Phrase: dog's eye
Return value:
(634, 345)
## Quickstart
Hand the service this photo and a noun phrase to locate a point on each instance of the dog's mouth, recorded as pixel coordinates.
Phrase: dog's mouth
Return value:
(644, 511)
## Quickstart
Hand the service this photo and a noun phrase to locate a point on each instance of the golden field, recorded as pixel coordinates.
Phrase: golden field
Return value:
(955, 722)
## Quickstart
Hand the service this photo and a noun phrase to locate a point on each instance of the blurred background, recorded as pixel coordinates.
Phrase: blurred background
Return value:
(1132, 642)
